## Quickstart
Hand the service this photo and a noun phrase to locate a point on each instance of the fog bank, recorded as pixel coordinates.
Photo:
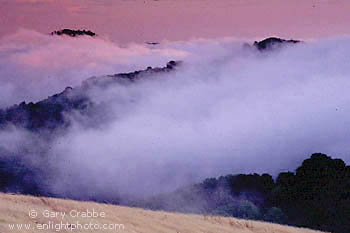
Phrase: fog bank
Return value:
(226, 109)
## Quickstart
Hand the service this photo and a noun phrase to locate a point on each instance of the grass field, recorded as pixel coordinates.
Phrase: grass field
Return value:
(20, 213)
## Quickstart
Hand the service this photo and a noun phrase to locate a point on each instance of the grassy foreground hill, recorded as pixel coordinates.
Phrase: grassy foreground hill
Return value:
(20, 213)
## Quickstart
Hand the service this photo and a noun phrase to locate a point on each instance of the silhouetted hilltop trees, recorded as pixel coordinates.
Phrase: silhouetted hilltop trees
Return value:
(73, 33)
(272, 43)
(152, 43)
(317, 195)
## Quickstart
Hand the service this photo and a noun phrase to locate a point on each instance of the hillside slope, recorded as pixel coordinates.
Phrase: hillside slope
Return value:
(16, 209)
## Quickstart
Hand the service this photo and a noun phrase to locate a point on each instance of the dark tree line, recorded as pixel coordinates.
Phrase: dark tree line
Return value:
(316, 195)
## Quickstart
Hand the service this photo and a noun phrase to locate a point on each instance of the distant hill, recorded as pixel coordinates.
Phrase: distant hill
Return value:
(273, 43)
(48, 114)
(73, 33)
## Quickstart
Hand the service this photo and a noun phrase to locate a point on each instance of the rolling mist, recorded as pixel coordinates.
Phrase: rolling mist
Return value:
(228, 108)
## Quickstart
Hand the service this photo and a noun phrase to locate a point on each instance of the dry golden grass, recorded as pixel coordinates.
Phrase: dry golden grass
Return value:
(14, 209)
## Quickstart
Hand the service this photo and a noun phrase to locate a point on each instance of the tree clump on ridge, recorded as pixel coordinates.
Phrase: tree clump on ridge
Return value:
(73, 33)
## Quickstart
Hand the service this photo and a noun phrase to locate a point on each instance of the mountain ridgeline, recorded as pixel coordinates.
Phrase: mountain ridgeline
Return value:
(49, 114)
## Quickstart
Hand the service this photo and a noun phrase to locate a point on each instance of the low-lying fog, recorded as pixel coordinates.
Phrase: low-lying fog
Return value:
(226, 109)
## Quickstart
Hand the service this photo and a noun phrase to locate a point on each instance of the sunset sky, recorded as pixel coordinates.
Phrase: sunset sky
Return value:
(144, 20)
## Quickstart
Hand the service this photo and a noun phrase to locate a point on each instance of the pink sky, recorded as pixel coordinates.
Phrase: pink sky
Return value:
(140, 21)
